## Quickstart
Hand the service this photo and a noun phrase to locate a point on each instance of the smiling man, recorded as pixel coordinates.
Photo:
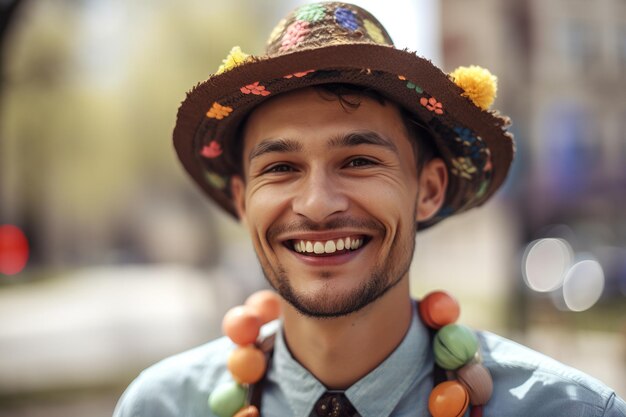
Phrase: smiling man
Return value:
(334, 149)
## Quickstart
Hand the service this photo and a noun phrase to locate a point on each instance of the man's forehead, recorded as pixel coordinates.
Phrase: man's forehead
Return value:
(312, 110)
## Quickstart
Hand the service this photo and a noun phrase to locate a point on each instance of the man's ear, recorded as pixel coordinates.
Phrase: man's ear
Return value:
(238, 191)
(433, 182)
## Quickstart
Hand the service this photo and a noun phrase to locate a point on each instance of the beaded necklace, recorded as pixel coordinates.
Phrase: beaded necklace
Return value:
(459, 377)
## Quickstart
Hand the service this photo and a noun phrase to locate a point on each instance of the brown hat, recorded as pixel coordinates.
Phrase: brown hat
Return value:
(334, 42)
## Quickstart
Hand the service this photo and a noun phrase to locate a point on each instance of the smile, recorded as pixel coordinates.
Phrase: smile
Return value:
(327, 247)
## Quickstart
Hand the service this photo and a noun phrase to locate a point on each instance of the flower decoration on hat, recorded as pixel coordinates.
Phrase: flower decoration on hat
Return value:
(217, 111)
(346, 18)
(478, 84)
(212, 150)
(374, 31)
(235, 57)
(311, 12)
(255, 88)
(295, 33)
(431, 104)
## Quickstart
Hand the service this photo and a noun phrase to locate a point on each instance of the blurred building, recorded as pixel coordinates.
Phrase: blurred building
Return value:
(562, 67)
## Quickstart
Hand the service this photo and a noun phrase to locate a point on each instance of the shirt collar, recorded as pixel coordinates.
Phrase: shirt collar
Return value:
(389, 381)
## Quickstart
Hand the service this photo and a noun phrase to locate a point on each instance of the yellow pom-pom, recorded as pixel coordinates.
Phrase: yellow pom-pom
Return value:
(234, 58)
(477, 83)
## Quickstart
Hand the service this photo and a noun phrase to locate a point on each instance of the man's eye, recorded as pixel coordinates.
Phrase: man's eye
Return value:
(279, 168)
(360, 162)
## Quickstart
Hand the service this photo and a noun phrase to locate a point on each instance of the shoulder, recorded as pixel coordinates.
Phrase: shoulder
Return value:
(529, 383)
(178, 385)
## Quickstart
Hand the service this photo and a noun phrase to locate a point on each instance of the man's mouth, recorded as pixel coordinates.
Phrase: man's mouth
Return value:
(331, 247)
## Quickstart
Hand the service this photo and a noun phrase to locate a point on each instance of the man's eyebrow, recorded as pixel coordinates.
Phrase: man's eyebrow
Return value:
(274, 145)
(366, 137)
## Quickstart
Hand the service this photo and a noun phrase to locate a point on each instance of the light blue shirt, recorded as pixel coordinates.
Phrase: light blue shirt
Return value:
(526, 383)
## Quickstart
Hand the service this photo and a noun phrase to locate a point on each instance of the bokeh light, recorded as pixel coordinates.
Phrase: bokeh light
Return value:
(583, 285)
(13, 250)
(545, 263)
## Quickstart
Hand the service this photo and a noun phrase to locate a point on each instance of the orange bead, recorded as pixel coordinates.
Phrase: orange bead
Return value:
(249, 411)
(266, 303)
(448, 399)
(242, 325)
(247, 364)
(438, 309)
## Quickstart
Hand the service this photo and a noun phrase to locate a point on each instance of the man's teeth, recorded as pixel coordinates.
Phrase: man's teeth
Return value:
(328, 246)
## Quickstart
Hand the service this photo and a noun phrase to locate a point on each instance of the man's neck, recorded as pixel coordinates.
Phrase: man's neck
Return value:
(340, 351)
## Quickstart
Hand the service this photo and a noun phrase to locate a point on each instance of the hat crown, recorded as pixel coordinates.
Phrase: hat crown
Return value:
(322, 24)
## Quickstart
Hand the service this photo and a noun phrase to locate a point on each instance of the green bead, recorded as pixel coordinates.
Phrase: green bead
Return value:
(454, 346)
(227, 399)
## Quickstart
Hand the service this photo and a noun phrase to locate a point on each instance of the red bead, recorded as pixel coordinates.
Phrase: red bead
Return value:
(448, 399)
(438, 309)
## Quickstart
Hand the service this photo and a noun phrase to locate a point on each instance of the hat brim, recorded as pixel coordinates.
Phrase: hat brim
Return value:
(473, 142)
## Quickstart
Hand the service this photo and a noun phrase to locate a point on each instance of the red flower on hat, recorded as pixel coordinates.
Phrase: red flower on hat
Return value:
(298, 74)
(295, 33)
(432, 104)
(255, 89)
(212, 150)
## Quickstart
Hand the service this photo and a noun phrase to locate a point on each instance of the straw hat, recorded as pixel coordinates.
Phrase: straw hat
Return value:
(333, 42)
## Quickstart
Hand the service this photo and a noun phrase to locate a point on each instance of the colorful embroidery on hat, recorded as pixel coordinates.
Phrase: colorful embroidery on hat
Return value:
(235, 57)
(310, 12)
(412, 86)
(483, 188)
(402, 77)
(298, 74)
(432, 104)
(488, 165)
(346, 18)
(463, 167)
(212, 150)
(217, 181)
(255, 89)
(465, 134)
(295, 33)
(474, 148)
(374, 31)
(217, 111)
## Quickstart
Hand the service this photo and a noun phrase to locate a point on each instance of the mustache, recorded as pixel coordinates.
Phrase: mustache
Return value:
(306, 225)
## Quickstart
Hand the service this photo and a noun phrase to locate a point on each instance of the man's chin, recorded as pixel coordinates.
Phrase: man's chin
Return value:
(330, 303)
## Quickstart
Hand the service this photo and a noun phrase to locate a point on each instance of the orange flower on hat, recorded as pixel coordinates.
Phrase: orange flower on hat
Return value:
(432, 104)
(255, 88)
(295, 33)
(298, 74)
(217, 111)
(212, 150)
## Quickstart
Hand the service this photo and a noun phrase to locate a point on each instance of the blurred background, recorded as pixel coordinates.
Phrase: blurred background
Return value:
(112, 259)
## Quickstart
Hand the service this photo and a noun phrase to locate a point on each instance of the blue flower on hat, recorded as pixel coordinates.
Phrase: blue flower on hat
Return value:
(346, 18)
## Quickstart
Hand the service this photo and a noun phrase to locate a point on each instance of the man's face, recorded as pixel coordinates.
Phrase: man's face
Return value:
(330, 199)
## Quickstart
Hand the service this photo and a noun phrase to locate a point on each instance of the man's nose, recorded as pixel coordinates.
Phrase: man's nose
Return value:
(319, 197)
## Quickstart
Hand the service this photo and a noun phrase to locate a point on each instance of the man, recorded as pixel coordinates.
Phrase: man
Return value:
(333, 150)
